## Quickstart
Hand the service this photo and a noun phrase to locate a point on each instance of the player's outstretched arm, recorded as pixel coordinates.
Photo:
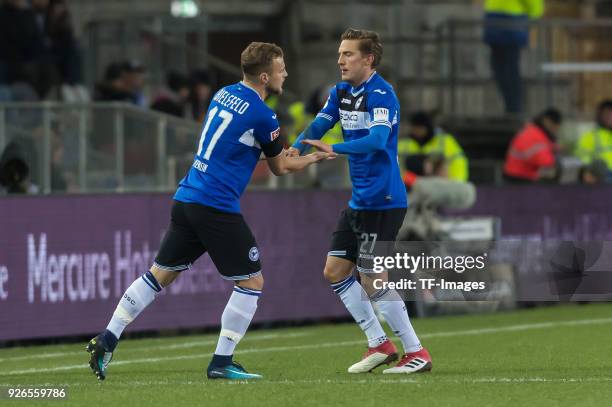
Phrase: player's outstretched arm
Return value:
(376, 140)
(284, 163)
(315, 131)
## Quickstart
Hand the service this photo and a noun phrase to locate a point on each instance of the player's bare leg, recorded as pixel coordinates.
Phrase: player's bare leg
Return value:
(339, 272)
(139, 295)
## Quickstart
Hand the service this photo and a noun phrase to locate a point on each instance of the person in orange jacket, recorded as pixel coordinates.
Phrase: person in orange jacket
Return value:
(532, 151)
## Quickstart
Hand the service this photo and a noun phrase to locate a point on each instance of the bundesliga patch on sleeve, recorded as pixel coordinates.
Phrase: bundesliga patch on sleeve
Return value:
(274, 134)
(381, 114)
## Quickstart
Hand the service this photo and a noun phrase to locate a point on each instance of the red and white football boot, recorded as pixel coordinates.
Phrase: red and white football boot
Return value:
(384, 353)
(415, 362)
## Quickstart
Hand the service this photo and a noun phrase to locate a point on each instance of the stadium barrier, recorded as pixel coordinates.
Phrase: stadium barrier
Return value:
(66, 260)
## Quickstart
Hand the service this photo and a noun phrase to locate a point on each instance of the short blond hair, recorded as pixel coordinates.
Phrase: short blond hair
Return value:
(369, 43)
(257, 58)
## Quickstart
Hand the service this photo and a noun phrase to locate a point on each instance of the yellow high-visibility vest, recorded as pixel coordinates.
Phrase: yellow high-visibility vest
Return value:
(444, 144)
(301, 119)
(595, 144)
(531, 8)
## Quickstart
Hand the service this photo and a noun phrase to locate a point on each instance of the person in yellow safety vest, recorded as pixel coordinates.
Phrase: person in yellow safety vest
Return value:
(302, 114)
(272, 102)
(506, 31)
(596, 144)
(424, 138)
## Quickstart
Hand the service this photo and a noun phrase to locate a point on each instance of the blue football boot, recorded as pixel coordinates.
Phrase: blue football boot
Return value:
(232, 371)
(100, 355)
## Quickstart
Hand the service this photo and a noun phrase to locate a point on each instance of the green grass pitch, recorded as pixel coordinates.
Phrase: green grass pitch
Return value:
(552, 356)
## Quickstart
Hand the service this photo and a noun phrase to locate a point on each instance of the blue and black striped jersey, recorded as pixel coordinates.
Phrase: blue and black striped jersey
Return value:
(376, 178)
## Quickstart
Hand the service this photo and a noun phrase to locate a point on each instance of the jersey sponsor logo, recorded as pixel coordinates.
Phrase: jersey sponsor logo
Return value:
(358, 103)
(254, 253)
(346, 101)
(381, 114)
(352, 120)
(274, 134)
(382, 92)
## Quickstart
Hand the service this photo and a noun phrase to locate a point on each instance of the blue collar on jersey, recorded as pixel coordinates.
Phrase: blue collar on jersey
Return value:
(356, 91)
(248, 87)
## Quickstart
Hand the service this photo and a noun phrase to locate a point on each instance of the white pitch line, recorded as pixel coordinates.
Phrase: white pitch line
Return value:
(425, 380)
(372, 379)
(510, 328)
(184, 345)
(182, 357)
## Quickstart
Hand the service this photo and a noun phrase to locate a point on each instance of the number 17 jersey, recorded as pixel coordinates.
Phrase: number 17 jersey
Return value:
(237, 127)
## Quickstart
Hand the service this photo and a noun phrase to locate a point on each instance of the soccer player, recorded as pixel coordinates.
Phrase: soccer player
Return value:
(368, 110)
(206, 212)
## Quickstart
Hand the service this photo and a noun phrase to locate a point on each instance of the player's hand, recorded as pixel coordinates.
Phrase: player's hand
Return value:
(292, 152)
(320, 156)
(319, 145)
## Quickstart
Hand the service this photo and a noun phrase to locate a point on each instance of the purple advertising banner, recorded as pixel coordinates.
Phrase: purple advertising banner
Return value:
(66, 260)
(548, 212)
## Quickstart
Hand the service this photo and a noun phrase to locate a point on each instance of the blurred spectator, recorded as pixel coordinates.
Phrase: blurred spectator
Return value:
(5, 93)
(40, 8)
(316, 101)
(427, 165)
(114, 87)
(299, 119)
(63, 44)
(200, 93)
(597, 143)
(59, 179)
(594, 173)
(22, 47)
(507, 32)
(14, 171)
(532, 151)
(173, 99)
(133, 81)
(425, 138)
(430, 190)
(21, 162)
(22, 92)
(422, 165)
(294, 120)
(303, 113)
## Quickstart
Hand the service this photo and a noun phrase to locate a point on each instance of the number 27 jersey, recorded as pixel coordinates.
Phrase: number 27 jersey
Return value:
(237, 127)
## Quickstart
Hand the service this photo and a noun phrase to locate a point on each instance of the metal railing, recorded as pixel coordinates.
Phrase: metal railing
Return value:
(97, 147)
(117, 147)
